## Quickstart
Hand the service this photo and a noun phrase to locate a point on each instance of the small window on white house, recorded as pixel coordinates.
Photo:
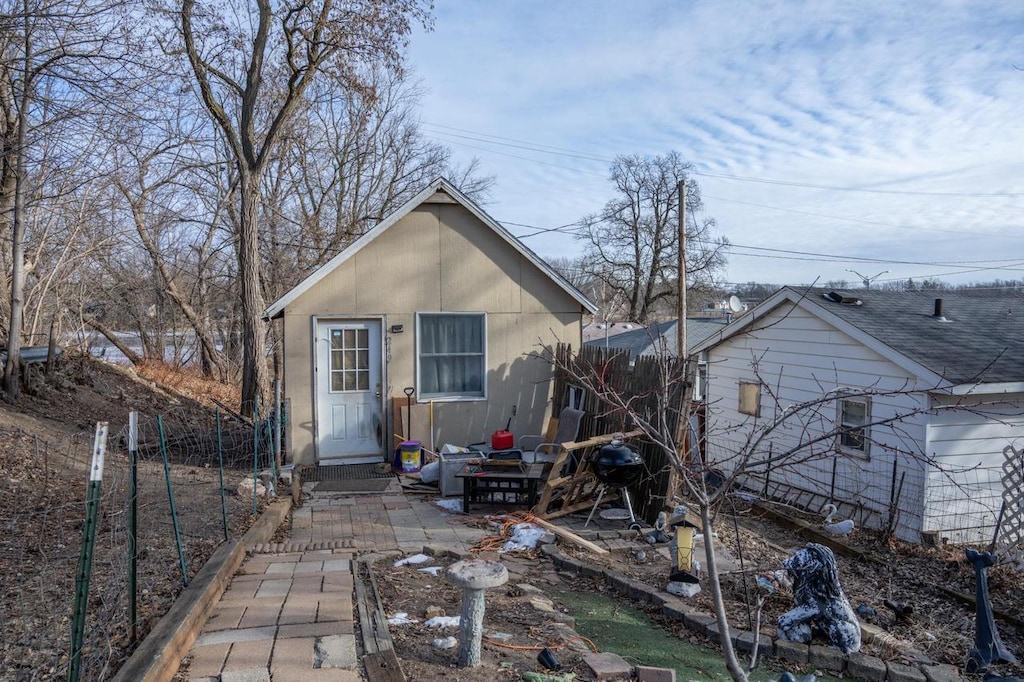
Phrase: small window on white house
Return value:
(854, 415)
(451, 355)
(750, 398)
(700, 379)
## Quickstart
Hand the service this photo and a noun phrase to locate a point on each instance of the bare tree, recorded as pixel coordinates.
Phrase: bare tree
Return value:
(50, 57)
(631, 245)
(254, 65)
(354, 157)
(809, 429)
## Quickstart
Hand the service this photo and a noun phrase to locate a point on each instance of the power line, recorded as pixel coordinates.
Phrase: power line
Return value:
(753, 204)
(834, 188)
(478, 136)
(882, 261)
(862, 221)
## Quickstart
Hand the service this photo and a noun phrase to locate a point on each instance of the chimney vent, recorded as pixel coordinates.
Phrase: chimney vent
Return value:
(937, 313)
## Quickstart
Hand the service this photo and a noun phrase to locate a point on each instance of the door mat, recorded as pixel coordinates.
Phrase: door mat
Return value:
(358, 485)
(348, 472)
(351, 478)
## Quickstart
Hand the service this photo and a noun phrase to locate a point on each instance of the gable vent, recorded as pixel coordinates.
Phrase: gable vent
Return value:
(842, 298)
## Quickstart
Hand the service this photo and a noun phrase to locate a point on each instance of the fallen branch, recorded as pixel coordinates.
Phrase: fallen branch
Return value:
(570, 536)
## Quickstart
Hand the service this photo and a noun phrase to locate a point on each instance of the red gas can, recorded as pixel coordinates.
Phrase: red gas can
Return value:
(502, 440)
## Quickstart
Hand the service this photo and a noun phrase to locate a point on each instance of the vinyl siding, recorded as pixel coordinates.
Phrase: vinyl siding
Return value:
(799, 357)
(439, 258)
(965, 485)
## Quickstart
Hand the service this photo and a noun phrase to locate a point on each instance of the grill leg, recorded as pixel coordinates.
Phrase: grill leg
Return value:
(629, 505)
(600, 494)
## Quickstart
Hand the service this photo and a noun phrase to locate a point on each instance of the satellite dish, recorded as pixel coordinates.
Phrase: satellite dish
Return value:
(735, 304)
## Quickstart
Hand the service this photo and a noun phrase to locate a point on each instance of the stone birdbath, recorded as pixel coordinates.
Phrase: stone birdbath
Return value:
(474, 576)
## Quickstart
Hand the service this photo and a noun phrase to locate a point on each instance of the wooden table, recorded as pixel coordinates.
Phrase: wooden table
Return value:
(494, 483)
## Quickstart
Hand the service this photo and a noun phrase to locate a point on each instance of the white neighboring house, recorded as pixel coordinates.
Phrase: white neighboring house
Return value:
(949, 364)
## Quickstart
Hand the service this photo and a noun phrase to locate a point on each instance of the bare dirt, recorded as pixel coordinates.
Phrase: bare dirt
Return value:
(46, 440)
(940, 629)
(520, 622)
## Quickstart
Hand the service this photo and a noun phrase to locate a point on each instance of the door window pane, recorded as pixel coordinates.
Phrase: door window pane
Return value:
(350, 360)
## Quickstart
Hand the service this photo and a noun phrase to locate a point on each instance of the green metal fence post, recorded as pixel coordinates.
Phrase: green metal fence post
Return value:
(133, 523)
(255, 450)
(92, 507)
(277, 431)
(170, 497)
(220, 465)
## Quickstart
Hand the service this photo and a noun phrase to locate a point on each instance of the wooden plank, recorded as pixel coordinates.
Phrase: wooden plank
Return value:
(570, 536)
(550, 486)
(556, 480)
(578, 506)
(383, 666)
(380, 621)
(365, 624)
(600, 440)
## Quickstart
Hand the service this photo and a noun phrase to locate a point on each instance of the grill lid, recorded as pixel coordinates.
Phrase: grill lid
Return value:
(617, 454)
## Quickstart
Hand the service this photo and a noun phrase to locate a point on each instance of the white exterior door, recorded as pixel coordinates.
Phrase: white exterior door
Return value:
(348, 392)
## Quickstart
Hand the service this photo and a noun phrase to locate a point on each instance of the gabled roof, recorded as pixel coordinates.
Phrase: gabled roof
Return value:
(438, 185)
(660, 336)
(979, 340)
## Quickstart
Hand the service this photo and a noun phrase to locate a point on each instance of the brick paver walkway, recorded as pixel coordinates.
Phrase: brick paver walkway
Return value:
(288, 616)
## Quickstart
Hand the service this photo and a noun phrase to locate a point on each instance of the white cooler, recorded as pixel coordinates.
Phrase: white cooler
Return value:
(452, 464)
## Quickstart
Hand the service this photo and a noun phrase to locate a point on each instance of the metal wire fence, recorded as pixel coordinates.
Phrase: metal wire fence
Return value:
(139, 562)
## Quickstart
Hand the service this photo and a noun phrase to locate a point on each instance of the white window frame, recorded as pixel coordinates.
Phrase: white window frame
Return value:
(451, 397)
(844, 427)
(742, 402)
(700, 377)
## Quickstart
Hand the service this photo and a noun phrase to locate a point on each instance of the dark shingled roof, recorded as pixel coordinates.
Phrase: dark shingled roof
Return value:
(641, 341)
(982, 339)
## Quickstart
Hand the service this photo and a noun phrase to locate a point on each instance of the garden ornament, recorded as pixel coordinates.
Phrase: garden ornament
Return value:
(900, 611)
(684, 568)
(988, 647)
(833, 527)
(474, 576)
(821, 606)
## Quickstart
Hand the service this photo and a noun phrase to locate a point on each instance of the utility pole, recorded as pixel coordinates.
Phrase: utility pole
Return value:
(681, 324)
(682, 427)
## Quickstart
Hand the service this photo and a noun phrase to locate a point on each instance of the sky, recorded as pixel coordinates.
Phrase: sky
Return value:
(884, 138)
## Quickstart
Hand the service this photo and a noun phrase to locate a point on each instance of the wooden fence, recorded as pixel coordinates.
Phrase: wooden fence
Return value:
(651, 385)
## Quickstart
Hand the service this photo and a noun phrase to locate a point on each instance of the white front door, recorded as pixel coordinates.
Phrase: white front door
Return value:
(348, 390)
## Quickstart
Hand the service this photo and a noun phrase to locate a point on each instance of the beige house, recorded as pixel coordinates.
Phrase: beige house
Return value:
(437, 298)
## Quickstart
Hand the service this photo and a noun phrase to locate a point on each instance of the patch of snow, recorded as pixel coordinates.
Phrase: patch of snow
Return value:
(412, 560)
(446, 643)
(524, 536)
(401, 618)
(453, 506)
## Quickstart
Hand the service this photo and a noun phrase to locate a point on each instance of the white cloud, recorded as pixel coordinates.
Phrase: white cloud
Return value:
(913, 96)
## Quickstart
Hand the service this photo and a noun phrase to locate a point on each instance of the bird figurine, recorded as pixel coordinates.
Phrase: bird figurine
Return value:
(901, 611)
(658, 535)
(836, 527)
